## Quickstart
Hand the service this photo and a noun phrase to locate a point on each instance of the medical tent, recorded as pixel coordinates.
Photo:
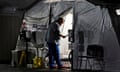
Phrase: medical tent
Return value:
(95, 21)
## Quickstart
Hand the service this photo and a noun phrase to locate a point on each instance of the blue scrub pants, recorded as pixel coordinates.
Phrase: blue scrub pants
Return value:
(54, 55)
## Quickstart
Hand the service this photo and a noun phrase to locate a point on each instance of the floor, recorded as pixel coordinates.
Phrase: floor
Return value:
(9, 68)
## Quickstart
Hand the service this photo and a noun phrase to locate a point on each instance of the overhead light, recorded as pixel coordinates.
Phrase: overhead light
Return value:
(118, 11)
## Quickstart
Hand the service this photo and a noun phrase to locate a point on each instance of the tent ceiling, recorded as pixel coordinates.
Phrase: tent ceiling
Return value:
(21, 4)
(26, 3)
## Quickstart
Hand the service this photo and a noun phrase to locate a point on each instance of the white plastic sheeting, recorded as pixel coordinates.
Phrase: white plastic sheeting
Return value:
(93, 20)
(112, 51)
(40, 10)
(96, 24)
(39, 14)
(61, 8)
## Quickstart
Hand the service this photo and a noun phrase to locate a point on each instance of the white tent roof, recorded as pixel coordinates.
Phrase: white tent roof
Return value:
(41, 10)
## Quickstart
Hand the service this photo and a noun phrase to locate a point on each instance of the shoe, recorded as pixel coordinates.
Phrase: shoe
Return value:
(61, 67)
(54, 67)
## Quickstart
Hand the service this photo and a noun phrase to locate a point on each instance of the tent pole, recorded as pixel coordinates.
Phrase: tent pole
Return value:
(50, 14)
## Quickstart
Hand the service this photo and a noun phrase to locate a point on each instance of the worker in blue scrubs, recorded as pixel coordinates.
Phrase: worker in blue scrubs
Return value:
(52, 37)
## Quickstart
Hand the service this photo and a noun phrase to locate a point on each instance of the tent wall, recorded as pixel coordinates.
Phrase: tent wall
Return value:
(115, 21)
(96, 25)
(93, 20)
(89, 23)
(9, 29)
(111, 51)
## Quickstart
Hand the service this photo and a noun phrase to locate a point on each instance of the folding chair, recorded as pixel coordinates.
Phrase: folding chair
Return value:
(96, 54)
(94, 57)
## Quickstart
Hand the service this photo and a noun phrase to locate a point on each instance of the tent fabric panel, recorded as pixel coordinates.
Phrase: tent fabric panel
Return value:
(90, 21)
(38, 21)
(39, 11)
(111, 51)
(97, 27)
(61, 7)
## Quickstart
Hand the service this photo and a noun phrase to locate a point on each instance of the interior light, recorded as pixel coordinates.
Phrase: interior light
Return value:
(118, 11)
